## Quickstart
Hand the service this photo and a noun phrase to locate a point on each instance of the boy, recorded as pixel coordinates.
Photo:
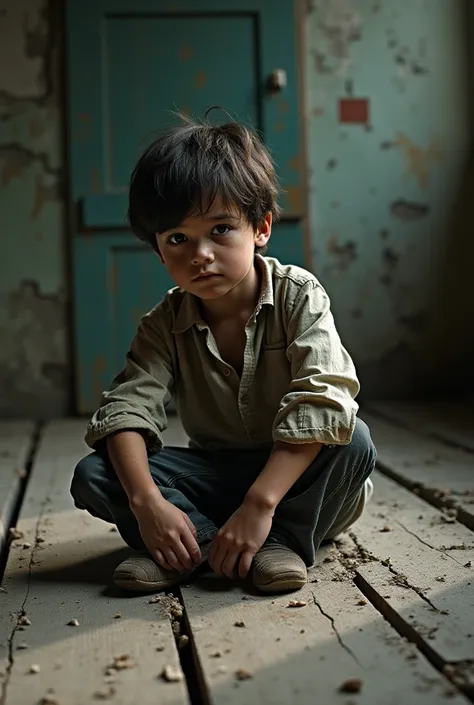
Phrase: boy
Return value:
(278, 461)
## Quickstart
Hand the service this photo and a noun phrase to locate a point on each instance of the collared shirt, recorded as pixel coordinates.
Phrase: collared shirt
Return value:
(298, 383)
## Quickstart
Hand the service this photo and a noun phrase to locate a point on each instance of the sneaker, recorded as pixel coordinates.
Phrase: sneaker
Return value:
(140, 573)
(276, 568)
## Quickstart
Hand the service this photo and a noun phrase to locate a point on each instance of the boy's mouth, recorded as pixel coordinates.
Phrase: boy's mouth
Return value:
(205, 275)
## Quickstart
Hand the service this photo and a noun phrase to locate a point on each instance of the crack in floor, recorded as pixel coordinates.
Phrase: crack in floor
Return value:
(336, 632)
(425, 543)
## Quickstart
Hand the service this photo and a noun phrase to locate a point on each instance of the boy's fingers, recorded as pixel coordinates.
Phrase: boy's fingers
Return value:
(183, 556)
(228, 566)
(191, 525)
(245, 563)
(172, 559)
(160, 559)
(192, 547)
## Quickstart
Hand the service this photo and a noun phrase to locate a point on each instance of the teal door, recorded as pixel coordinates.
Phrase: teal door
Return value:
(131, 65)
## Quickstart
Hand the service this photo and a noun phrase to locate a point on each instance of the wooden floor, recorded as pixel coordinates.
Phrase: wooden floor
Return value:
(389, 610)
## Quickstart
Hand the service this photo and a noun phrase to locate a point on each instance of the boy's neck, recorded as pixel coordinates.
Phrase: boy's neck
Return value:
(240, 302)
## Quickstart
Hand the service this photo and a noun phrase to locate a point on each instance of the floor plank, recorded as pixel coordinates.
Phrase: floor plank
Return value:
(302, 653)
(443, 475)
(451, 422)
(15, 443)
(423, 570)
(60, 576)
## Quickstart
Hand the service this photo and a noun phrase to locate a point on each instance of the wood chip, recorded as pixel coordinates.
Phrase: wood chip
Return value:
(296, 603)
(242, 675)
(22, 646)
(40, 539)
(73, 623)
(216, 654)
(122, 662)
(26, 545)
(160, 647)
(353, 685)
(362, 602)
(239, 624)
(170, 674)
(468, 564)
(385, 529)
(24, 621)
(105, 693)
(117, 615)
(15, 533)
(34, 668)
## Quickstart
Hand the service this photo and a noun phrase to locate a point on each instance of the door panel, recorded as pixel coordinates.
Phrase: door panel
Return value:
(132, 64)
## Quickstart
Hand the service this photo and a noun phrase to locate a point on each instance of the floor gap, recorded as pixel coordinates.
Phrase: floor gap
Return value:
(190, 664)
(13, 519)
(428, 495)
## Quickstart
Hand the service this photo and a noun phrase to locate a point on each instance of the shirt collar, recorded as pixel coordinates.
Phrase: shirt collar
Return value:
(189, 314)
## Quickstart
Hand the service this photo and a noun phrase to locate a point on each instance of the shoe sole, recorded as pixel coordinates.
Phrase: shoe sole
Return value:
(283, 584)
(133, 585)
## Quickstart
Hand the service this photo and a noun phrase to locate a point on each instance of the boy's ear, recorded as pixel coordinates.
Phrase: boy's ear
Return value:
(264, 230)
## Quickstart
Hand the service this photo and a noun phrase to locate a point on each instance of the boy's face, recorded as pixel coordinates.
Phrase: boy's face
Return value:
(211, 255)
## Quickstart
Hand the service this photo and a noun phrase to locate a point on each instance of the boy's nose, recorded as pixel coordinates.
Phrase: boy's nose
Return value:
(203, 254)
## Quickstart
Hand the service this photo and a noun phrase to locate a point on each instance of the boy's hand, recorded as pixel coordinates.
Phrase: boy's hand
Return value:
(168, 533)
(239, 540)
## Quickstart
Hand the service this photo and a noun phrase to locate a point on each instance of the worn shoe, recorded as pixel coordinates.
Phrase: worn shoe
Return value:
(140, 573)
(276, 568)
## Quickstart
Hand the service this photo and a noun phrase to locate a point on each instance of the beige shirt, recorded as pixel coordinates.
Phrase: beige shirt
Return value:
(298, 383)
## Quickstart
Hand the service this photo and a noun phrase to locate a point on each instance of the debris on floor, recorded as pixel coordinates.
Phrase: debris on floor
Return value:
(34, 668)
(170, 674)
(73, 623)
(353, 685)
(296, 603)
(15, 533)
(239, 623)
(105, 693)
(242, 675)
(121, 663)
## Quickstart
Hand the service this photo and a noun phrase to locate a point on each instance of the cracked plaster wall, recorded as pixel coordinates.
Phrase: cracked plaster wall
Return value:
(390, 199)
(34, 369)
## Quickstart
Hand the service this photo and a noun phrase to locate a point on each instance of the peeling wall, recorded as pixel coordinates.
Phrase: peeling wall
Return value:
(389, 192)
(35, 374)
(390, 198)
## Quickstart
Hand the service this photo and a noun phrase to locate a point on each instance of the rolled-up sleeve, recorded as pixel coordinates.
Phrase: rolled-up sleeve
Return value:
(320, 403)
(136, 397)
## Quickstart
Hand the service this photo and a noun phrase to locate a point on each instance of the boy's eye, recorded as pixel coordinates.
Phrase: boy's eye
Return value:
(177, 238)
(221, 229)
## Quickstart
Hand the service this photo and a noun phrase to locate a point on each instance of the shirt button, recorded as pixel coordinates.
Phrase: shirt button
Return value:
(226, 371)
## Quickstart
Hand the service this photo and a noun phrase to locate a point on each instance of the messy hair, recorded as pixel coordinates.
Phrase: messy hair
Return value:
(188, 167)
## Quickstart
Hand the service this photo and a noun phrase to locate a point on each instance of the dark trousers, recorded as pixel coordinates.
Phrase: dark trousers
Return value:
(209, 485)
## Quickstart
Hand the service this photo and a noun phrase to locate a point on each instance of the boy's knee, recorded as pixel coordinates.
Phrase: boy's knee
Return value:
(84, 478)
(361, 447)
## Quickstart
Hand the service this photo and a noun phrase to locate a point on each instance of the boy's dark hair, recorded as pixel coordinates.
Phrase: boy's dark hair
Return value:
(189, 166)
